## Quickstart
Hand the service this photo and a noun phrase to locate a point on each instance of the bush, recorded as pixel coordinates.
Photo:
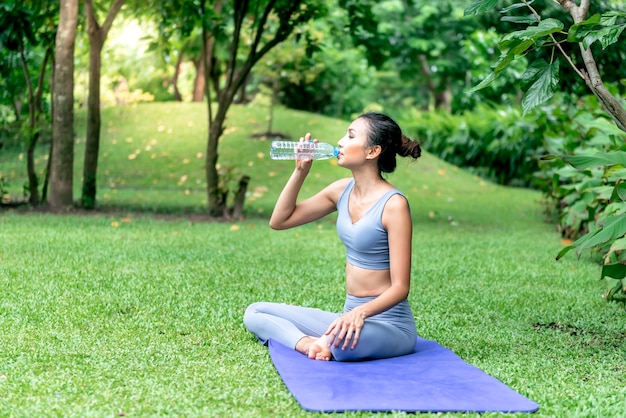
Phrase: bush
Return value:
(583, 178)
(494, 143)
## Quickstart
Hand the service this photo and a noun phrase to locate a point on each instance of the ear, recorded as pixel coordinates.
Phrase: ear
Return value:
(373, 152)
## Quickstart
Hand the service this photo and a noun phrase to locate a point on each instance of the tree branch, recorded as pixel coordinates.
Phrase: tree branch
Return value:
(113, 11)
(593, 79)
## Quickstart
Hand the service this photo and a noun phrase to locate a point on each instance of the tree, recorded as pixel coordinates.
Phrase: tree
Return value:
(542, 77)
(270, 22)
(97, 37)
(606, 211)
(26, 33)
(289, 64)
(422, 40)
(62, 155)
(330, 75)
(180, 38)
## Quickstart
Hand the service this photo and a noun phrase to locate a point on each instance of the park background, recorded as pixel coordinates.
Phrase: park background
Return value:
(127, 299)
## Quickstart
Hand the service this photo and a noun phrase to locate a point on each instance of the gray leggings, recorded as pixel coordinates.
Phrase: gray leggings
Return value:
(389, 334)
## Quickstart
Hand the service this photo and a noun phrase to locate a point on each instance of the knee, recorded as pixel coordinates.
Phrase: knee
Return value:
(251, 314)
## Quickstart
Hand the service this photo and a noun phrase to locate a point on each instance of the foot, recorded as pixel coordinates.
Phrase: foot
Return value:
(315, 348)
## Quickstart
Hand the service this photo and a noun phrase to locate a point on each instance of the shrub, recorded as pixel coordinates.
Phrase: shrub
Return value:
(494, 143)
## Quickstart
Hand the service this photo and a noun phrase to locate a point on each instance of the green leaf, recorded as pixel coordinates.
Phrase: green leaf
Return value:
(582, 162)
(620, 191)
(618, 245)
(502, 63)
(606, 36)
(517, 6)
(480, 6)
(543, 89)
(486, 82)
(616, 271)
(564, 251)
(532, 72)
(544, 28)
(615, 227)
(530, 19)
(578, 31)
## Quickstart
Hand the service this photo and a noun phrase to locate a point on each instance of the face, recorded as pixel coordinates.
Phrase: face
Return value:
(354, 147)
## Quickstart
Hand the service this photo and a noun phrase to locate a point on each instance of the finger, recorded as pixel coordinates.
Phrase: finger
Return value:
(347, 338)
(355, 339)
(331, 336)
(341, 337)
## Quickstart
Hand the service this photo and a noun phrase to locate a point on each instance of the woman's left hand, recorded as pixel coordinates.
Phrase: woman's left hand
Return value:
(345, 328)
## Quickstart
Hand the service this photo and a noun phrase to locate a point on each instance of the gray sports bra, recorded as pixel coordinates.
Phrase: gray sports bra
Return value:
(366, 240)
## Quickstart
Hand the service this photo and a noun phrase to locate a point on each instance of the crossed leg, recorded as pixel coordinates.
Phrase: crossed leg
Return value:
(294, 326)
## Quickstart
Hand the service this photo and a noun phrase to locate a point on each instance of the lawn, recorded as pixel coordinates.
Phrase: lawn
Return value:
(137, 310)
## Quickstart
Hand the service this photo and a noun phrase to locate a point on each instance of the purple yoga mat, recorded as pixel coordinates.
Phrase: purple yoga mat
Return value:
(433, 379)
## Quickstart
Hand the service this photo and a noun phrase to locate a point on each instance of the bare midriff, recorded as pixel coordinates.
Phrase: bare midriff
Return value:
(362, 282)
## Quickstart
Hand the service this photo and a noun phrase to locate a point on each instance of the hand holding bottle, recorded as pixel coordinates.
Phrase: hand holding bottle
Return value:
(305, 149)
(304, 156)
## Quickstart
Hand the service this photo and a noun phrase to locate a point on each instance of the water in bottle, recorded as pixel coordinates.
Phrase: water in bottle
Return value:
(292, 150)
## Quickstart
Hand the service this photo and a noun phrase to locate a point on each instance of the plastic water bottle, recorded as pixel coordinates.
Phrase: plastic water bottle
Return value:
(292, 150)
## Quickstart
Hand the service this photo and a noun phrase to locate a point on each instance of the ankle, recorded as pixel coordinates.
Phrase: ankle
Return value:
(303, 344)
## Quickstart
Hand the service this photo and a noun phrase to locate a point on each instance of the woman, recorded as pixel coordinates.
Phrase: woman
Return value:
(374, 223)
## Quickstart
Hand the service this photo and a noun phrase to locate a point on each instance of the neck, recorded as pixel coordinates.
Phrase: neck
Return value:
(366, 180)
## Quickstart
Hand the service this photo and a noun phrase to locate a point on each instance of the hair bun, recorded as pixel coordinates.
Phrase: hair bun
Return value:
(409, 148)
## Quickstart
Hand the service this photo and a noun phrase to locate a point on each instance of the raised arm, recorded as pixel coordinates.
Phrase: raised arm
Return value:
(288, 213)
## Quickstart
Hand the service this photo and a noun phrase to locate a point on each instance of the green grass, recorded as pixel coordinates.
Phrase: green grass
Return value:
(129, 314)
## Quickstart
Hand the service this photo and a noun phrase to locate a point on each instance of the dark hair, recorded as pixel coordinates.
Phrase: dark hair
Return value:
(385, 132)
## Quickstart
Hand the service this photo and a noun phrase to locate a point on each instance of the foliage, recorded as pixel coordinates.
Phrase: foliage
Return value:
(609, 59)
(336, 78)
(595, 196)
(495, 143)
(421, 41)
(593, 201)
(4, 193)
(541, 79)
(573, 130)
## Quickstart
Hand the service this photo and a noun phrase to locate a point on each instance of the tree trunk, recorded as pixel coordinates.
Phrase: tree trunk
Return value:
(177, 96)
(33, 136)
(46, 181)
(200, 81)
(240, 198)
(97, 36)
(216, 126)
(62, 164)
(216, 206)
(94, 122)
(35, 111)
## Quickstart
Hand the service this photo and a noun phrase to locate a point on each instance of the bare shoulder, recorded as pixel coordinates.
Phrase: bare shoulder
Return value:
(397, 202)
(396, 210)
